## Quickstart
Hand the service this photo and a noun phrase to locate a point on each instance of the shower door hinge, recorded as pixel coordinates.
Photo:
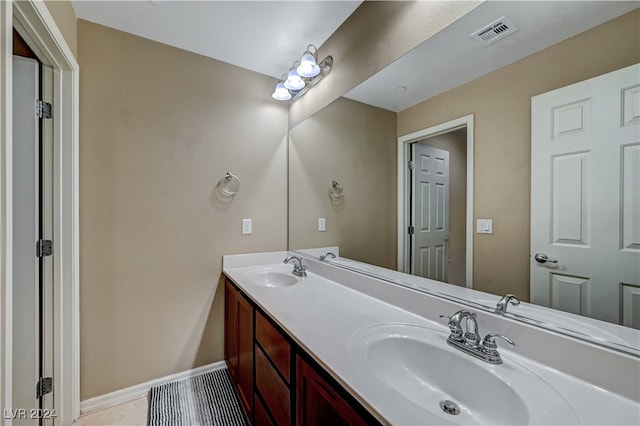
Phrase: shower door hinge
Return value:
(43, 109)
(411, 230)
(44, 386)
(44, 248)
(412, 165)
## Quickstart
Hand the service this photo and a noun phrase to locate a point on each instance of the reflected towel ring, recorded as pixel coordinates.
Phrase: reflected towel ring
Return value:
(229, 180)
(335, 190)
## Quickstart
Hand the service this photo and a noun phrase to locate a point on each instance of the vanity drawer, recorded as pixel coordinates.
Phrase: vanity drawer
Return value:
(273, 389)
(275, 345)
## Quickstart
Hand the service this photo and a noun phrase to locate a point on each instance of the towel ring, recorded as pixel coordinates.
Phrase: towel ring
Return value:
(231, 180)
(335, 190)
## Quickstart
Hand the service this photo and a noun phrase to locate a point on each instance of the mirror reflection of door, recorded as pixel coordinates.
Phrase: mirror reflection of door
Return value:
(585, 204)
(429, 212)
(438, 207)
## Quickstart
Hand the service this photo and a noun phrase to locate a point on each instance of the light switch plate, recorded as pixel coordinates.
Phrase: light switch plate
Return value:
(322, 224)
(247, 227)
(484, 226)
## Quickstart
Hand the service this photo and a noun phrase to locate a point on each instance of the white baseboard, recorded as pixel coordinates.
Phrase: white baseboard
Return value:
(138, 391)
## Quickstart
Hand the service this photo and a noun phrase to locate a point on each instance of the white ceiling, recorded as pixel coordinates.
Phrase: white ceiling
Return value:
(451, 58)
(262, 36)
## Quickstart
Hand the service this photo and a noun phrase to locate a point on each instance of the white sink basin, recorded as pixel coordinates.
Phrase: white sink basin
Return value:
(418, 366)
(271, 277)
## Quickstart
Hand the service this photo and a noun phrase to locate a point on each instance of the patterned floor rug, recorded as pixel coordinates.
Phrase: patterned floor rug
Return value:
(208, 399)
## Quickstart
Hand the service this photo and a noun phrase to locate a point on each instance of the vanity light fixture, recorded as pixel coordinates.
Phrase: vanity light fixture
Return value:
(302, 76)
(281, 93)
(294, 81)
(308, 66)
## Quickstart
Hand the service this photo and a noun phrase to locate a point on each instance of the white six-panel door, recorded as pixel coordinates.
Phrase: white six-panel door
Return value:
(430, 212)
(585, 197)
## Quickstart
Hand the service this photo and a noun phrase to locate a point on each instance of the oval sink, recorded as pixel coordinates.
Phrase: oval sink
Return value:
(452, 387)
(267, 277)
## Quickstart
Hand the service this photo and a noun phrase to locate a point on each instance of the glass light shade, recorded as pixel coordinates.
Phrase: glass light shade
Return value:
(294, 82)
(308, 66)
(281, 93)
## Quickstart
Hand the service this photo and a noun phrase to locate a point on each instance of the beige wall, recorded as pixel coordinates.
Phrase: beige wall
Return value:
(501, 102)
(158, 128)
(65, 17)
(375, 35)
(354, 144)
(456, 144)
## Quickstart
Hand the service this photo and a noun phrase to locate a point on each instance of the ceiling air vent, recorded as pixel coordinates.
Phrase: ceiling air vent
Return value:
(497, 30)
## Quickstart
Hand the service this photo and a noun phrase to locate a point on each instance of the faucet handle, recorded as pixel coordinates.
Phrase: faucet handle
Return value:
(489, 344)
(454, 327)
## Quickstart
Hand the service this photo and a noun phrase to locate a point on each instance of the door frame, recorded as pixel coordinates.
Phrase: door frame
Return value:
(404, 195)
(35, 24)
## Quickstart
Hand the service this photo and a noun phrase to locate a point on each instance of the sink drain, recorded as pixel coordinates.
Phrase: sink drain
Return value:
(449, 407)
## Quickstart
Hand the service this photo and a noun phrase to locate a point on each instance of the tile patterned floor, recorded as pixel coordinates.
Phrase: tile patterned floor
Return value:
(133, 413)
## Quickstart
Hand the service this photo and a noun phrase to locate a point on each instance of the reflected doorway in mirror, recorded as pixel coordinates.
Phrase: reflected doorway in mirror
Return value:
(448, 212)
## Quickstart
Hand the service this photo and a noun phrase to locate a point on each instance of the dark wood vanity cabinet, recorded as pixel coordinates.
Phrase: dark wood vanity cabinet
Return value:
(318, 403)
(238, 343)
(274, 382)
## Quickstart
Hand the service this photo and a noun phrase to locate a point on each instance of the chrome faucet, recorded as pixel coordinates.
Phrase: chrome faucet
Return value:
(326, 256)
(469, 341)
(454, 324)
(503, 304)
(299, 270)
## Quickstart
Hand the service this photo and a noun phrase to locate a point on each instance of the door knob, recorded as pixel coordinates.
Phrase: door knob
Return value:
(543, 258)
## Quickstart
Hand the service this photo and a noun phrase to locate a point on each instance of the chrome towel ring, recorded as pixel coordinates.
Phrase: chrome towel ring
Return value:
(335, 190)
(229, 184)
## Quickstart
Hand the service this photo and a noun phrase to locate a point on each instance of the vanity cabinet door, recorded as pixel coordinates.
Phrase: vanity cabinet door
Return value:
(272, 369)
(231, 329)
(273, 389)
(317, 403)
(239, 343)
(261, 416)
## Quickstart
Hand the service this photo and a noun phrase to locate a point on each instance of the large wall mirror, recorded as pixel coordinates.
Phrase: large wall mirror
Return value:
(462, 110)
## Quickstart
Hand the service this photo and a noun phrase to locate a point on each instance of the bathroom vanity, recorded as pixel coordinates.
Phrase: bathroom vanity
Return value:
(289, 385)
(341, 347)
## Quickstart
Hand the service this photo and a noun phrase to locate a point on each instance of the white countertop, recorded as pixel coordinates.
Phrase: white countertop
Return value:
(323, 316)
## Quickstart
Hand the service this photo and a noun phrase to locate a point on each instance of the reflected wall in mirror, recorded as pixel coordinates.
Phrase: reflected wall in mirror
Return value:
(349, 145)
